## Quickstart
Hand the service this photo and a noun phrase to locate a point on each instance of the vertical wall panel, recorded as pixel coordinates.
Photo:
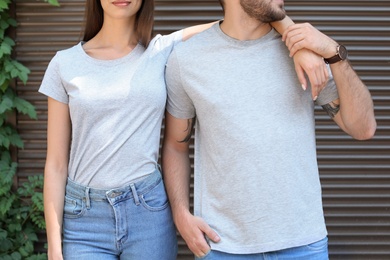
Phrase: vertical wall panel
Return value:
(355, 175)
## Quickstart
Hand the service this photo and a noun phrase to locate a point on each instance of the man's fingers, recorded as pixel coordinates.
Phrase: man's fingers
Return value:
(202, 254)
(199, 245)
(212, 235)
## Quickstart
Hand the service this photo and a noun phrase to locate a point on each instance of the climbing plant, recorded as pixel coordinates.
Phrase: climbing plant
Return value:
(21, 208)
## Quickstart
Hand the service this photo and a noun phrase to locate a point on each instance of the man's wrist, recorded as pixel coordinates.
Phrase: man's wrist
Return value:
(340, 55)
(180, 213)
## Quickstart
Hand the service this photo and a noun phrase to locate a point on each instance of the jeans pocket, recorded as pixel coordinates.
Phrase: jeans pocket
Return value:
(156, 199)
(321, 245)
(73, 208)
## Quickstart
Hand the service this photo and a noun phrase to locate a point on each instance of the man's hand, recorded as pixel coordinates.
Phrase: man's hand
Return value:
(193, 230)
(315, 68)
(305, 36)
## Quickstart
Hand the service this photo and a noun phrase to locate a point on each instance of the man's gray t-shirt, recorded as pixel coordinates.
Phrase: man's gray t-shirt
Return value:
(116, 108)
(256, 174)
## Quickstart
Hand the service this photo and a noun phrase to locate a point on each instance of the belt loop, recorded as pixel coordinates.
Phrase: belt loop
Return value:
(87, 201)
(135, 195)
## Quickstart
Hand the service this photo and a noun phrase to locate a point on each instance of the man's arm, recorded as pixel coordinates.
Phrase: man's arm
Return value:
(354, 110)
(177, 171)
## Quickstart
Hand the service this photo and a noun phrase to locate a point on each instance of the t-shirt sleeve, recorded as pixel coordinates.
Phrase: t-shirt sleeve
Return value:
(164, 44)
(173, 38)
(329, 93)
(179, 104)
(51, 85)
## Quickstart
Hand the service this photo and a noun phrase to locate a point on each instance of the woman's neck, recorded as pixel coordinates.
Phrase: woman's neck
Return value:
(115, 39)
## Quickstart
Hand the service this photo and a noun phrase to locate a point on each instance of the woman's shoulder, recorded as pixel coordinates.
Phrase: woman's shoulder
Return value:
(70, 50)
(68, 54)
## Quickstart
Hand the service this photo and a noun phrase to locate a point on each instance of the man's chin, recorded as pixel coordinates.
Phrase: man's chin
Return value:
(275, 18)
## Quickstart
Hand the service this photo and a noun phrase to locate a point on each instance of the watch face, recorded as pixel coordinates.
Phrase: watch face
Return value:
(343, 53)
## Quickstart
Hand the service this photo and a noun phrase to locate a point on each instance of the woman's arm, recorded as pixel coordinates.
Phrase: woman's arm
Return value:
(306, 61)
(56, 172)
(280, 26)
(191, 31)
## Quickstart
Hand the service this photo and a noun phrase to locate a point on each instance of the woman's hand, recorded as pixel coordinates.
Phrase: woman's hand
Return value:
(314, 66)
(305, 36)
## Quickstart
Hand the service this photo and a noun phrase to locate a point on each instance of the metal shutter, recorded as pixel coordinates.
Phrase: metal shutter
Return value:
(355, 175)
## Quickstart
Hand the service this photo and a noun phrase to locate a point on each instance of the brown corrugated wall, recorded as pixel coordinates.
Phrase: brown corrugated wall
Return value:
(355, 175)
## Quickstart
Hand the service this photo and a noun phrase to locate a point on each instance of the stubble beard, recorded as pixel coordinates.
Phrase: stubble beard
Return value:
(263, 10)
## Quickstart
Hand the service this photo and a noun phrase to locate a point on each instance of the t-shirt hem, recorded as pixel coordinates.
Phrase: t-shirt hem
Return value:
(178, 114)
(53, 96)
(263, 248)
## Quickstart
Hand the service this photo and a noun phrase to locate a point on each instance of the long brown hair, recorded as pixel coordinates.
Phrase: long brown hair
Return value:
(222, 3)
(93, 20)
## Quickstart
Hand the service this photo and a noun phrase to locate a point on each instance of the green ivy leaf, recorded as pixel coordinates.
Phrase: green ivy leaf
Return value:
(37, 257)
(53, 2)
(5, 245)
(3, 234)
(25, 107)
(3, 24)
(12, 22)
(6, 46)
(23, 252)
(9, 41)
(6, 203)
(3, 78)
(6, 104)
(16, 256)
(4, 4)
(8, 66)
(17, 70)
(14, 227)
(8, 170)
(10, 137)
(5, 157)
(20, 66)
(31, 236)
(4, 141)
(4, 86)
(15, 140)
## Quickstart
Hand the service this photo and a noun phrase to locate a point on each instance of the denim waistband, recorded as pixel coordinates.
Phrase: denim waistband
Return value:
(136, 188)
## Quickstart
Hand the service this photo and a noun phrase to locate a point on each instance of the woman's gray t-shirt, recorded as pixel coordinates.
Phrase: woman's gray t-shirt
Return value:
(116, 108)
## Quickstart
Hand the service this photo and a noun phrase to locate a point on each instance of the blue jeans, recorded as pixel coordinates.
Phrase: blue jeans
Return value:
(315, 251)
(132, 222)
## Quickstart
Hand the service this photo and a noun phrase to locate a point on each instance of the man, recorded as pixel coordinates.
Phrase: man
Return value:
(257, 191)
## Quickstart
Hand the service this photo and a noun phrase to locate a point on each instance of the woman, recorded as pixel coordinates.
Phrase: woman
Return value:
(103, 193)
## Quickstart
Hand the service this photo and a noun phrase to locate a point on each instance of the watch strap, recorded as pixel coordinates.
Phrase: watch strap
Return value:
(333, 59)
(341, 54)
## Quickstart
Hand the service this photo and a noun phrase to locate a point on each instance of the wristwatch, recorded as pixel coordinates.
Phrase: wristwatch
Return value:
(341, 54)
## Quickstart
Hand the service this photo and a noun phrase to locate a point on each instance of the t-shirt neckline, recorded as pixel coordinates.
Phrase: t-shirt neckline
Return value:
(137, 49)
